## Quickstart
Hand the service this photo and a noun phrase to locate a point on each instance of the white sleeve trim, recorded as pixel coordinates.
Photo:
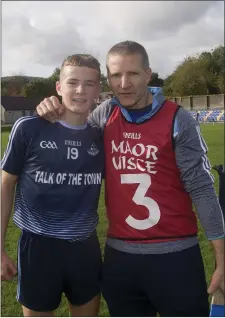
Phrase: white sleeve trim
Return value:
(11, 138)
(205, 161)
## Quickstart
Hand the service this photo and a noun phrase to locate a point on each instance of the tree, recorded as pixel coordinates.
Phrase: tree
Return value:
(13, 85)
(4, 89)
(156, 80)
(55, 75)
(218, 57)
(221, 84)
(104, 83)
(39, 88)
(168, 87)
(199, 75)
(210, 77)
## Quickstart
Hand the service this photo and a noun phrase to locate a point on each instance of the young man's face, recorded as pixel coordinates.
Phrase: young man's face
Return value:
(128, 78)
(79, 87)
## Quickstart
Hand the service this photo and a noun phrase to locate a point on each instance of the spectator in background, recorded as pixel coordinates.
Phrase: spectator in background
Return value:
(198, 116)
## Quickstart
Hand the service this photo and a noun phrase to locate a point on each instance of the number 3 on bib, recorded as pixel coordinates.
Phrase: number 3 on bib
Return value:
(139, 198)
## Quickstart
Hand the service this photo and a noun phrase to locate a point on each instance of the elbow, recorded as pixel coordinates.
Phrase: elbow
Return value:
(196, 187)
(8, 182)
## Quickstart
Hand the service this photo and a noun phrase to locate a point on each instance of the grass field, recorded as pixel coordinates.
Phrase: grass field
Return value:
(214, 136)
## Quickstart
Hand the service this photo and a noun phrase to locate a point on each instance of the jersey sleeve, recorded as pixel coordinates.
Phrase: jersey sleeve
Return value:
(99, 116)
(195, 169)
(14, 156)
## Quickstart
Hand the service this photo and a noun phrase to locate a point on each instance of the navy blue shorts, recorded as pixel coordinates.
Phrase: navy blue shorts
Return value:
(49, 267)
(172, 284)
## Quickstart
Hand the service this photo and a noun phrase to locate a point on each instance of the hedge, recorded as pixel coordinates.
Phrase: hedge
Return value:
(6, 128)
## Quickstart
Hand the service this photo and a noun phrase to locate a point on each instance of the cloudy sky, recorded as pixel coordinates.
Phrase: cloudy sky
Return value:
(38, 35)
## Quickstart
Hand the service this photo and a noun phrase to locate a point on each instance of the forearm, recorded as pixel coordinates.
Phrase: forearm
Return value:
(211, 218)
(218, 247)
(7, 195)
(209, 211)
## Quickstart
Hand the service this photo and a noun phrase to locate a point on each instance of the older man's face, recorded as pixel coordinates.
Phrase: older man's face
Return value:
(128, 78)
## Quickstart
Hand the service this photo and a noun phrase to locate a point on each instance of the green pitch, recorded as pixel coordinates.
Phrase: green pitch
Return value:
(214, 136)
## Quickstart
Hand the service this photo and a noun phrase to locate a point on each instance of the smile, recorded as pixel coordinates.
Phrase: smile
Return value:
(79, 100)
(126, 94)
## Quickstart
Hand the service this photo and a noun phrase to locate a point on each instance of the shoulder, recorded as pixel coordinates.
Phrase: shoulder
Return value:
(104, 106)
(185, 119)
(100, 115)
(28, 125)
(92, 129)
(29, 121)
(186, 128)
(94, 132)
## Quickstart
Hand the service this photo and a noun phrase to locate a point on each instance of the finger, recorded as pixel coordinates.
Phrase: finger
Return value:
(213, 287)
(46, 113)
(50, 110)
(3, 276)
(13, 269)
(6, 275)
(39, 111)
(59, 108)
(43, 111)
(222, 286)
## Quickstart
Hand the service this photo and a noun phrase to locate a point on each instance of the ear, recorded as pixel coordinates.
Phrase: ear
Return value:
(148, 75)
(58, 88)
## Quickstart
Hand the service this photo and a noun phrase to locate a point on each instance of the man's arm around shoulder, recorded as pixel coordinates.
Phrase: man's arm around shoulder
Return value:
(100, 114)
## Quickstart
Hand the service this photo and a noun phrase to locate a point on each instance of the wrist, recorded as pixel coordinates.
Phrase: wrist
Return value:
(220, 266)
(218, 246)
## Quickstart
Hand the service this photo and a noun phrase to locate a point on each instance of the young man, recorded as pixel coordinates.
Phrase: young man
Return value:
(57, 171)
(155, 167)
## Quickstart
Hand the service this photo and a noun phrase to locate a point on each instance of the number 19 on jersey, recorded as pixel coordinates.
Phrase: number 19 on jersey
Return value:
(72, 153)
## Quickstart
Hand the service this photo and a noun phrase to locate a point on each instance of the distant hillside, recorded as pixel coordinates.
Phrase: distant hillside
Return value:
(20, 78)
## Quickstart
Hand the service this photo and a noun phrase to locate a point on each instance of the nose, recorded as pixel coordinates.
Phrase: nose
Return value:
(80, 89)
(125, 82)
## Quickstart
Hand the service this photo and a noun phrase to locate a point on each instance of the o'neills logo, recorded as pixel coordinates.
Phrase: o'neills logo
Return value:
(127, 157)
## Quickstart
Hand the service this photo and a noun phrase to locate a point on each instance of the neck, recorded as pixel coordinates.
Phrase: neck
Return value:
(143, 101)
(74, 119)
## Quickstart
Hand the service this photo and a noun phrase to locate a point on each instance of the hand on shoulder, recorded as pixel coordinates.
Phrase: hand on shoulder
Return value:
(50, 108)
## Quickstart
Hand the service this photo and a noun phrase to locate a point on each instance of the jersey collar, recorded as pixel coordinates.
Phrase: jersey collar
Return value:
(158, 100)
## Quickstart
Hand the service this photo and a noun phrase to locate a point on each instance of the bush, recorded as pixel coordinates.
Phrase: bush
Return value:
(6, 128)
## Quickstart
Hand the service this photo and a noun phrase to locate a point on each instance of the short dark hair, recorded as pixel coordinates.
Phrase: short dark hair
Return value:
(85, 60)
(130, 47)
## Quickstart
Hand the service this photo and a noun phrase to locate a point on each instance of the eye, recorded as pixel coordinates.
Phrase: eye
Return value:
(115, 75)
(133, 73)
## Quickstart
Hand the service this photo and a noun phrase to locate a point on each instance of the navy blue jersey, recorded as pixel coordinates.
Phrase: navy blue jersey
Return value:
(59, 173)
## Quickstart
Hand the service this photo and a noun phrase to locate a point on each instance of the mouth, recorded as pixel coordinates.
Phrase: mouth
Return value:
(79, 100)
(126, 94)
